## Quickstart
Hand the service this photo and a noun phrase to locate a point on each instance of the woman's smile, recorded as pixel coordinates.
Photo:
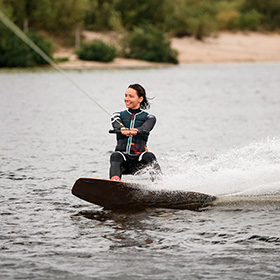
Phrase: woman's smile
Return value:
(131, 99)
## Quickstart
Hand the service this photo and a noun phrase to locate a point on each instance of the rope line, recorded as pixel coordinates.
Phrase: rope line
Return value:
(33, 46)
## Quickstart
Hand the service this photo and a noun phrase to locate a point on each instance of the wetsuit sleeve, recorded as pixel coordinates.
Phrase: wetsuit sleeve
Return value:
(148, 125)
(116, 121)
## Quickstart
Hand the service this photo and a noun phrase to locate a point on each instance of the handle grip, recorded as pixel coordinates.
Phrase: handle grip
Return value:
(115, 131)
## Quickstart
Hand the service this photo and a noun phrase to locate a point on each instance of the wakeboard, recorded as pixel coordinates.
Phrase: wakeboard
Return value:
(124, 195)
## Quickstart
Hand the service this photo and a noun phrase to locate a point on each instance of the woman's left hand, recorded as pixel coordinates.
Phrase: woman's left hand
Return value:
(133, 131)
(129, 132)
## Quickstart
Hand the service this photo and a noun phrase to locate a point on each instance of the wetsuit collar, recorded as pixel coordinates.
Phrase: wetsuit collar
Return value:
(134, 111)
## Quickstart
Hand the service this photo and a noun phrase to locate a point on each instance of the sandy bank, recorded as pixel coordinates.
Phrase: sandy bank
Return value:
(229, 47)
(225, 48)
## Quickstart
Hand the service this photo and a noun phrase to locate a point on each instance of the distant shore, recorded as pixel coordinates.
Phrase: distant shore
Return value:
(224, 48)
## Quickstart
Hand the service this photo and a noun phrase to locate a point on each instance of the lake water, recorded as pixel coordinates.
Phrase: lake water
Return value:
(217, 132)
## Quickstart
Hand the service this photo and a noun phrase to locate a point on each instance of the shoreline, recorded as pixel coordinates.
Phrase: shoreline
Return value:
(226, 47)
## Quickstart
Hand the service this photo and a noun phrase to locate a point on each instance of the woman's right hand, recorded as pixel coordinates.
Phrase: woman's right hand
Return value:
(129, 132)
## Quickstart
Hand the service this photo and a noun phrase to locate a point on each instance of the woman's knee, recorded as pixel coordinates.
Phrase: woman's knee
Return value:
(115, 156)
(148, 157)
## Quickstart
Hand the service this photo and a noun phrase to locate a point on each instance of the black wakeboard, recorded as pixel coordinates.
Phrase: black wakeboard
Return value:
(123, 195)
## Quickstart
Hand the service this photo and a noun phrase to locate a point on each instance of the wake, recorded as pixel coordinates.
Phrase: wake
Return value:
(252, 170)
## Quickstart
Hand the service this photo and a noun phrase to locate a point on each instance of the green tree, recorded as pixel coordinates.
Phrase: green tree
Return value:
(22, 11)
(151, 44)
(102, 16)
(15, 53)
(228, 14)
(60, 17)
(250, 20)
(138, 12)
(269, 9)
(124, 15)
(193, 17)
(7, 10)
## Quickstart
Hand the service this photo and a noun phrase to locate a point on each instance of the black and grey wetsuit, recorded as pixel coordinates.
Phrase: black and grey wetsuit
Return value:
(143, 121)
(131, 153)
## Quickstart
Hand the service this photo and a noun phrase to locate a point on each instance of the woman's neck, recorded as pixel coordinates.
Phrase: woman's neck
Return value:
(134, 111)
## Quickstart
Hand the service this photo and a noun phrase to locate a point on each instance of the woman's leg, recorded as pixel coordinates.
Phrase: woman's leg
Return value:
(148, 158)
(116, 160)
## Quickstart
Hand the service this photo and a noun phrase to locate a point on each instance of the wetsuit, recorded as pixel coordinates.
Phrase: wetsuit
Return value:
(131, 153)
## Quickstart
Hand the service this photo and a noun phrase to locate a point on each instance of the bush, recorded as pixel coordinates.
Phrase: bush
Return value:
(15, 53)
(269, 11)
(192, 18)
(201, 26)
(228, 20)
(97, 50)
(250, 20)
(150, 44)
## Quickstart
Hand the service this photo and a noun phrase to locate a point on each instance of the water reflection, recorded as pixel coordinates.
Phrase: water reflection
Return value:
(129, 228)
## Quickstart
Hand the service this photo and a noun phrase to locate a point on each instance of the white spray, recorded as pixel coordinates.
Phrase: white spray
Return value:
(250, 170)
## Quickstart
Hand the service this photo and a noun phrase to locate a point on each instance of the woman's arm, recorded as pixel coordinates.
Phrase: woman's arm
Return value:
(116, 121)
(148, 125)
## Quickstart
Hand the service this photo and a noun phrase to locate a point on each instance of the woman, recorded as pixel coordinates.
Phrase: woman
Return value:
(133, 126)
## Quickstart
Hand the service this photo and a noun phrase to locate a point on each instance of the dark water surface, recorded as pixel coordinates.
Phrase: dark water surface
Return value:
(218, 132)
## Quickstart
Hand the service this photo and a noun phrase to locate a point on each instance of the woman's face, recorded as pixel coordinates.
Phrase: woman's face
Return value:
(131, 99)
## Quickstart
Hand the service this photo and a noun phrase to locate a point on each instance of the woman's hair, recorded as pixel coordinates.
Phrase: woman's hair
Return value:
(141, 93)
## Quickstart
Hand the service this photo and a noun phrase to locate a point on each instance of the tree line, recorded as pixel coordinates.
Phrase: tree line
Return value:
(62, 19)
(179, 17)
